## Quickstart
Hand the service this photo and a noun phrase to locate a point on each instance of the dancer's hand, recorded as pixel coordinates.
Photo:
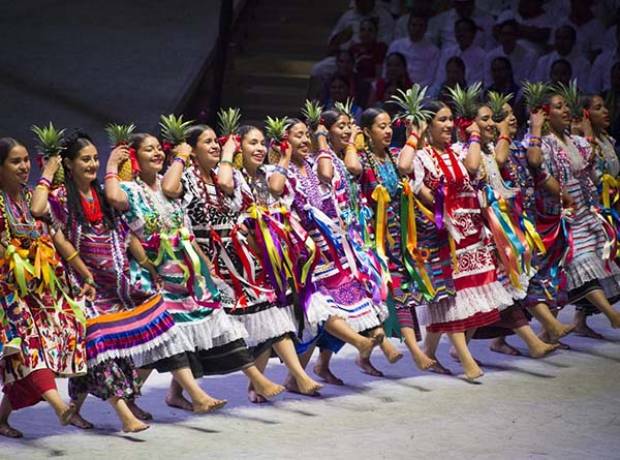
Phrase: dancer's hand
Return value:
(118, 155)
(473, 129)
(52, 164)
(230, 147)
(183, 150)
(537, 120)
(89, 292)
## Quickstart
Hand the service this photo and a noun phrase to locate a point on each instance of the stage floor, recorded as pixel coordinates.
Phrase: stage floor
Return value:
(564, 406)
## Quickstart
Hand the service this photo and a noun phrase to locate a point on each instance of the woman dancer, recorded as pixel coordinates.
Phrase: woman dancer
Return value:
(466, 260)
(516, 277)
(94, 243)
(215, 195)
(41, 333)
(338, 302)
(381, 186)
(591, 272)
(214, 343)
(605, 176)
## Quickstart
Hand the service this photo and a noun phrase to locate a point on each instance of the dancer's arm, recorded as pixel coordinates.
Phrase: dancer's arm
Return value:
(171, 183)
(72, 257)
(115, 195)
(277, 181)
(473, 159)
(325, 167)
(225, 176)
(38, 205)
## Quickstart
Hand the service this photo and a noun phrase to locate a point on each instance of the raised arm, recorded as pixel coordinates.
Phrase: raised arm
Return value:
(115, 195)
(502, 146)
(407, 154)
(534, 152)
(225, 177)
(38, 205)
(473, 157)
(277, 181)
(171, 183)
(325, 167)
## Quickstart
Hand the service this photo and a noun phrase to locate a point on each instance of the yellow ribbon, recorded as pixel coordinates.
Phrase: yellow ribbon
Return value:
(382, 198)
(608, 182)
(533, 238)
(256, 213)
(22, 269)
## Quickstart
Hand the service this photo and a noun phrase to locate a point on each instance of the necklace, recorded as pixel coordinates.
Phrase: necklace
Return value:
(92, 207)
(20, 222)
(162, 214)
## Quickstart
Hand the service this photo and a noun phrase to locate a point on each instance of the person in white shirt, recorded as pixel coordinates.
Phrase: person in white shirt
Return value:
(441, 27)
(472, 55)
(534, 24)
(561, 72)
(347, 28)
(346, 32)
(600, 76)
(565, 39)
(521, 58)
(590, 31)
(400, 30)
(422, 56)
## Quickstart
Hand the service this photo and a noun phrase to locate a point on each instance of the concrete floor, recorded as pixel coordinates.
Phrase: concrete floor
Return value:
(566, 406)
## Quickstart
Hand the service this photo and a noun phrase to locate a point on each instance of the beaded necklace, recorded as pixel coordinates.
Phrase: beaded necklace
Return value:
(19, 221)
(162, 215)
(385, 172)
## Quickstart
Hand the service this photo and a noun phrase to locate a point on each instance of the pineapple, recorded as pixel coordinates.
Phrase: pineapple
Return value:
(496, 103)
(312, 113)
(228, 123)
(174, 129)
(119, 135)
(49, 141)
(410, 102)
(572, 96)
(275, 128)
(535, 95)
(345, 108)
(465, 101)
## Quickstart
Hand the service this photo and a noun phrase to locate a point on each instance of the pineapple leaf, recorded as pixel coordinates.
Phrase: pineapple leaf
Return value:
(496, 103)
(410, 103)
(49, 139)
(465, 100)
(312, 112)
(174, 129)
(345, 108)
(535, 94)
(119, 134)
(275, 127)
(572, 96)
(228, 121)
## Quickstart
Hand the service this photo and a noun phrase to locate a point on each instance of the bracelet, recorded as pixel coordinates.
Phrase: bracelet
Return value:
(144, 261)
(110, 175)
(281, 169)
(321, 133)
(180, 160)
(413, 145)
(504, 138)
(323, 156)
(72, 256)
(474, 140)
(534, 144)
(44, 182)
(43, 187)
(350, 148)
(415, 135)
(227, 162)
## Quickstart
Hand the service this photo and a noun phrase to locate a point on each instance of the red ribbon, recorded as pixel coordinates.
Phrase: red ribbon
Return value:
(461, 124)
(133, 159)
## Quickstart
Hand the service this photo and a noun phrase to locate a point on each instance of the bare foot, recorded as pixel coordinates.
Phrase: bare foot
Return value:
(394, 357)
(66, 416)
(438, 368)
(503, 347)
(178, 402)
(455, 356)
(472, 371)
(367, 368)
(560, 331)
(615, 320)
(268, 389)
(10, 432)
(326, 374)
(207, 405)
(307, 386)
(135, 426)
(138, 412)
(79, 422)
(369, 343)
(422, 361)
(255, 398)
(543, 350)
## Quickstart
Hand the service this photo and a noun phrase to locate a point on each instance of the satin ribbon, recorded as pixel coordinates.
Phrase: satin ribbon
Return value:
(409, 243)
(45, 263)
(133, 159)
(382, 197)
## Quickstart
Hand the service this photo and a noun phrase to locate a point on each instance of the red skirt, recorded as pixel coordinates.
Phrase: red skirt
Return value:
(29, 390)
